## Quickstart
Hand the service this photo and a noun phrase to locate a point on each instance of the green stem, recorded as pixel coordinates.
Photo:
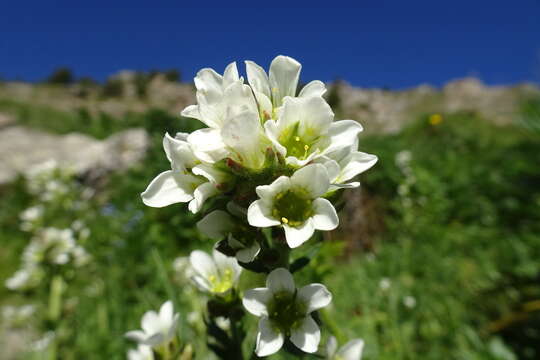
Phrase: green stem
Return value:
(55, 298)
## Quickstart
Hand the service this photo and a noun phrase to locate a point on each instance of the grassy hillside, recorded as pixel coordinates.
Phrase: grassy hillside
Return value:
(451, 271)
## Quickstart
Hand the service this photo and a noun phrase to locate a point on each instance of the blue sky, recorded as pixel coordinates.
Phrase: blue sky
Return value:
(395, 44)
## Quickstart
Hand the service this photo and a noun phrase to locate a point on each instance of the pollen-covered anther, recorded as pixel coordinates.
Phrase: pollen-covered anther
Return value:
(284, 220)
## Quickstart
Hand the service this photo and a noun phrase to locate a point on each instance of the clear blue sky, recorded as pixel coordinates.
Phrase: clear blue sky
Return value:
(372, 43)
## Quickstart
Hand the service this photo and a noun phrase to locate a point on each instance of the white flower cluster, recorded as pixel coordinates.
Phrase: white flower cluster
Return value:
(273, 151)
(49, 247)
(277, 157)
(46, 181)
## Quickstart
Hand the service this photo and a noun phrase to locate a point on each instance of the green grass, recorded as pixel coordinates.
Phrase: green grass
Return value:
(463, 240)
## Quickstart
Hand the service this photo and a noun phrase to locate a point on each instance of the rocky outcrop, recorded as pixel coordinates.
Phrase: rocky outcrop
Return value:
(22, 148)
(388, 111)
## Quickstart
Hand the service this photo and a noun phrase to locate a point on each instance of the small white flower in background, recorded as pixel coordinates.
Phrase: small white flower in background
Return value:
(219, 225)
(409, 301)
(296, 204)
(385, 284)
(216, 274)
(157, 328)
(285, 312)
(403, 158)
(223, 323)
(43, 343)
(32, 213)
(54, 246)
(352, 350)
(25, 278)
(189, 180)
(194, 317)
(17, 315)
(143, 352)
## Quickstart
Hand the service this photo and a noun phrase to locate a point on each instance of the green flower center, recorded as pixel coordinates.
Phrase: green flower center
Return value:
(295, 144)
(286, 312)
(292, 207)
(222, 282)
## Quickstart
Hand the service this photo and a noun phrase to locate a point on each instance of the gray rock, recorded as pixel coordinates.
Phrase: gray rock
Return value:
(22, 148)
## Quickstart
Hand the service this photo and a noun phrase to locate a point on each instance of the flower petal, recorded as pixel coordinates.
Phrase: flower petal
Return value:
(269, 341)
(315, 296)
(259, 215)
(312, 114)
(313, 88)
(167, 188)
(178, 153)
(136, 335)
(209, 83)
(358, 163)
(201, 283)
(283, 77)
(268, 192)
(207, 145)
(325, 217)
(343, 133)
(257, 78)
(203, 264)
(313, 178)
(166, 312)
(248, 254)
(351, 350)
(296, 236)
(307, 336)
(213, 175)
(192, 111)
(230, 75)
(331, 347)
(201, 193)
(280, 279)
(244, 134)
(255, 301)
(224, 263)
(216, 225)
(150, 322)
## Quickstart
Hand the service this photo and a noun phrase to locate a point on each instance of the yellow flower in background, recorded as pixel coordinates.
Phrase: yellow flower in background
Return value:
(435, 119)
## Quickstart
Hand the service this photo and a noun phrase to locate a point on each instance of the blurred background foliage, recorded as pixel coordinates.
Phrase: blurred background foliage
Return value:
(445, 263)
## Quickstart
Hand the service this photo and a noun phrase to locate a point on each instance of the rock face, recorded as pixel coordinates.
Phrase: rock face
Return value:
(388, 111)
(22, 148)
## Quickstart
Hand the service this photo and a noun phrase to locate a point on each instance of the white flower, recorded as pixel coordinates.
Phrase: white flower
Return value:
(17, 315)
(189, 180)
(285, 312)
(270, 90)
(219, 224)
(216, 274)
(157, 328)
(352, 350)
(142, 352)
(239, 135)
(42, 344)
(385, 284)
(25, 278)
(54, 246)
(305, 129)
(296, 204)
(32, 213)
(344, 164)
(212, 90)
(409, 301)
